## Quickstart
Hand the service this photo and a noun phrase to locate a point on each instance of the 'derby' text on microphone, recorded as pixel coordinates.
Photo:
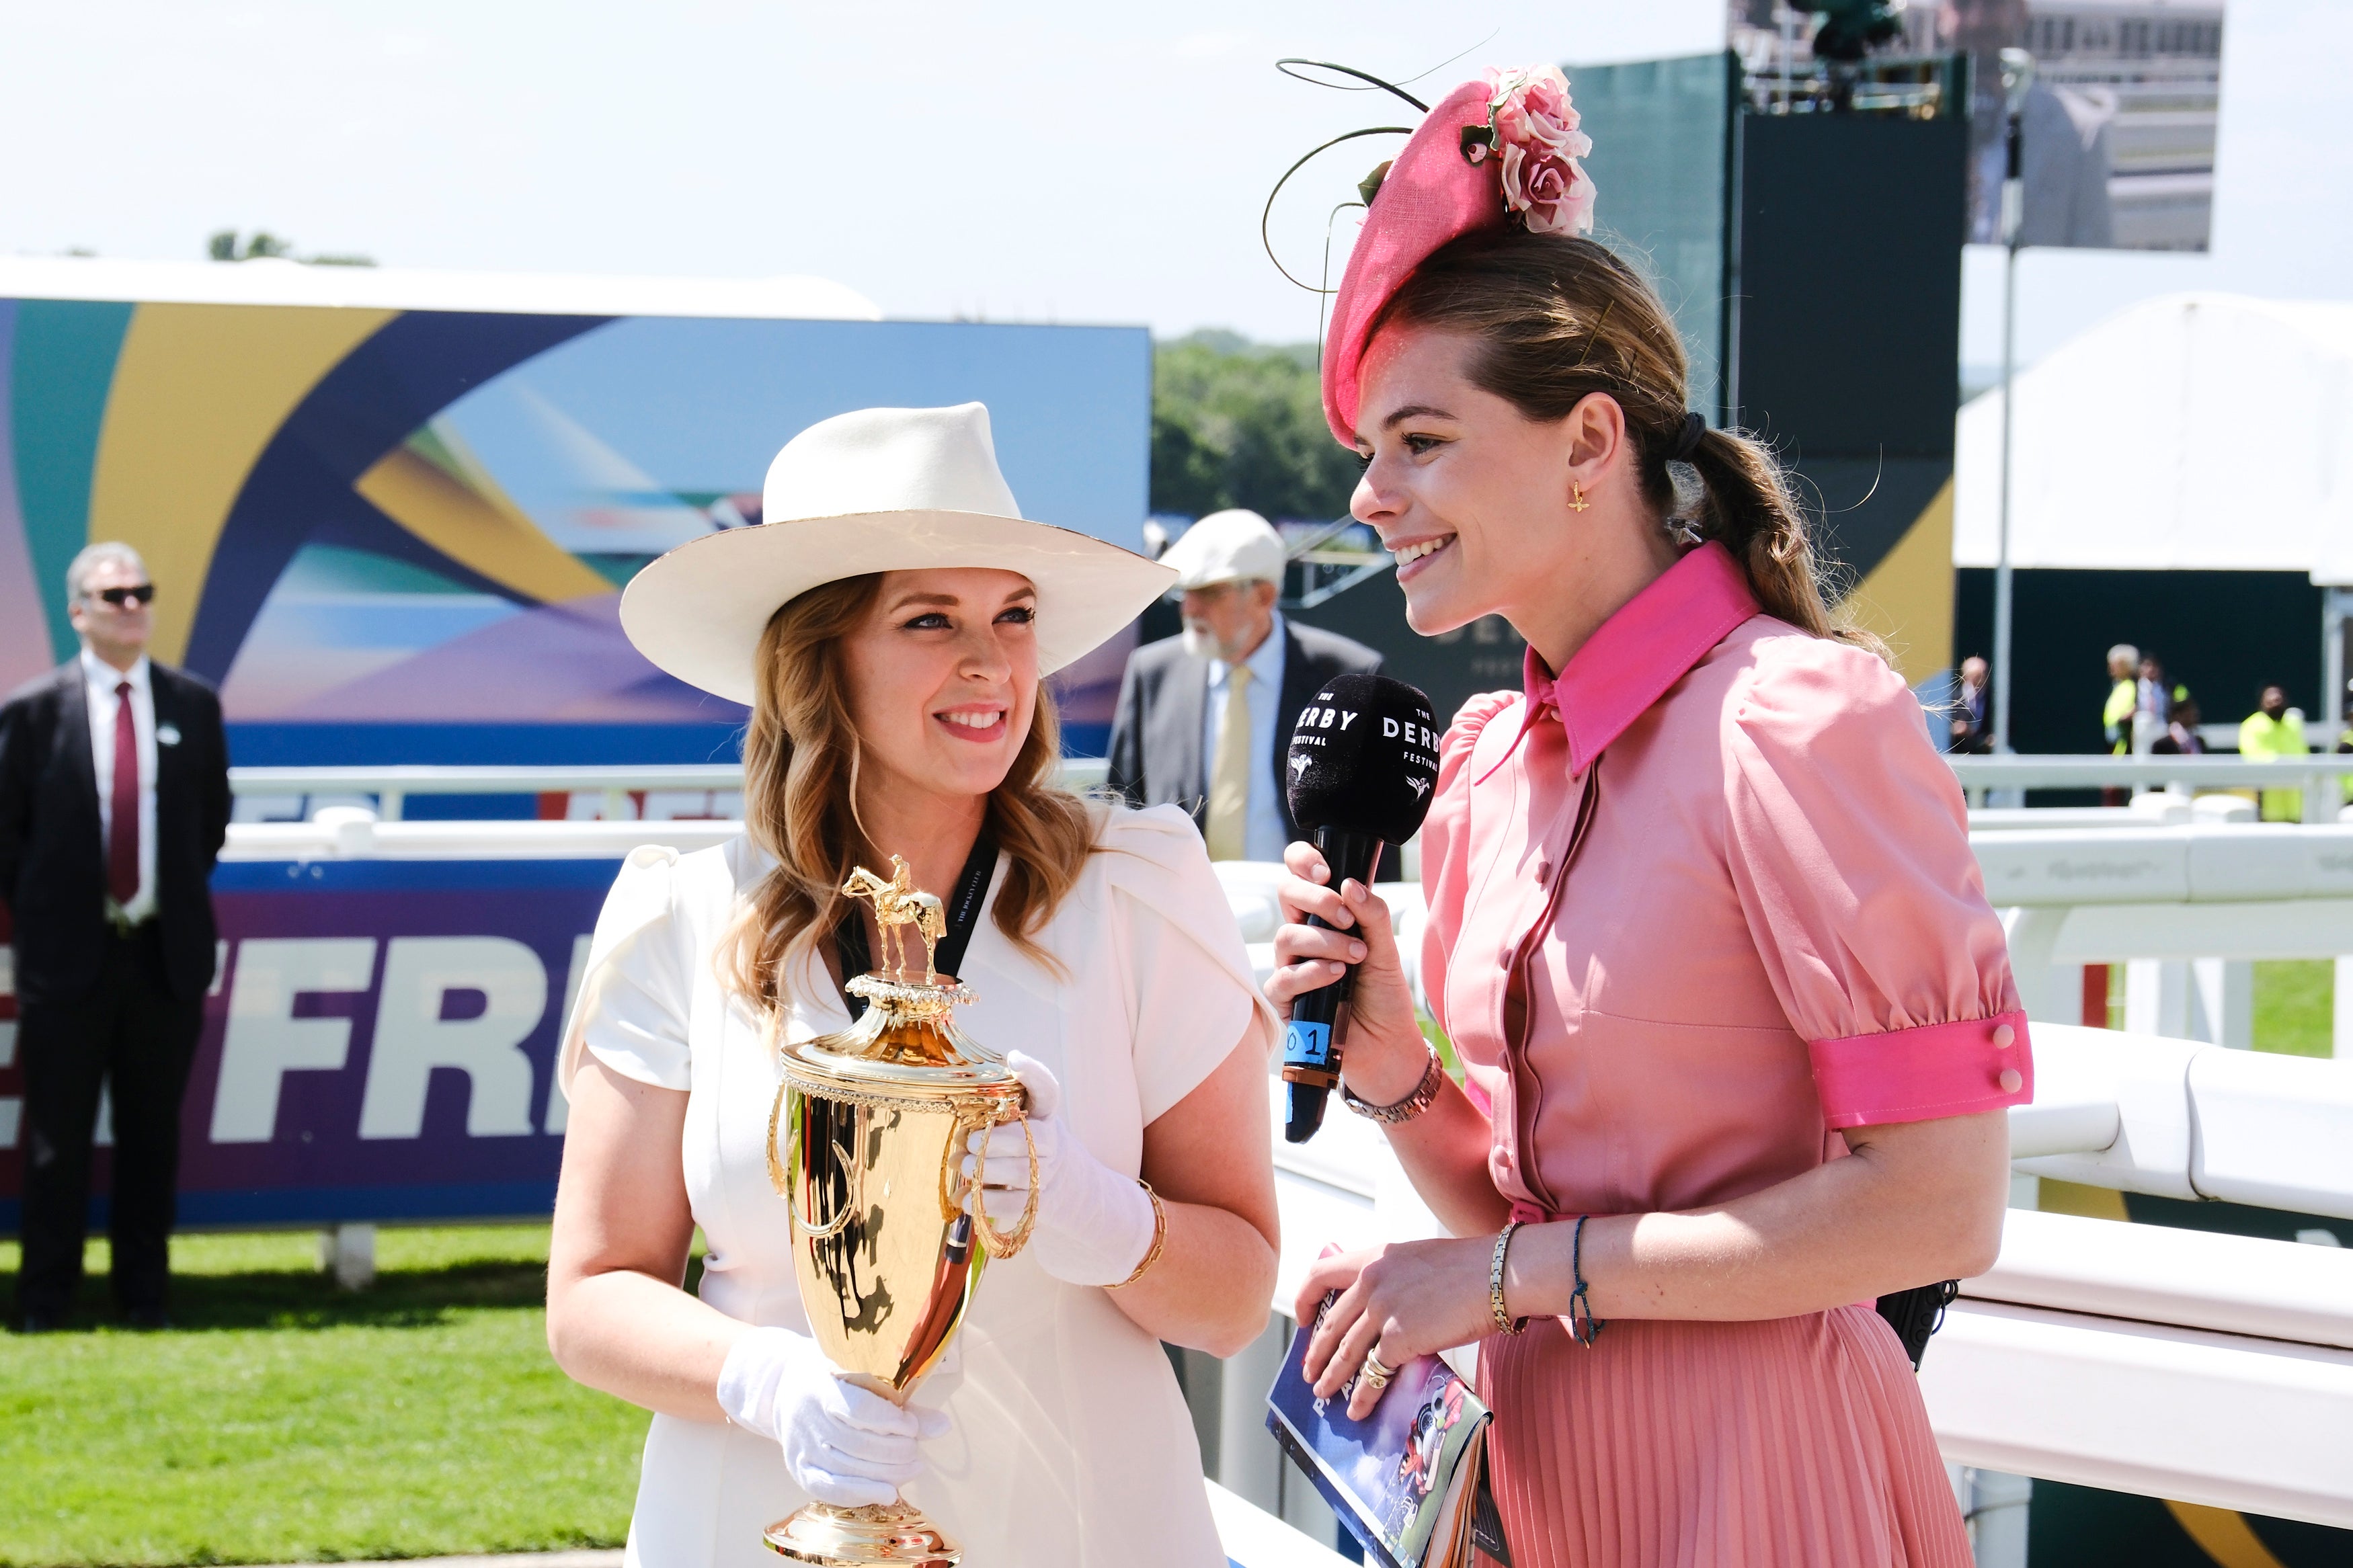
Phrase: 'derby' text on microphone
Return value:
(1363, 762)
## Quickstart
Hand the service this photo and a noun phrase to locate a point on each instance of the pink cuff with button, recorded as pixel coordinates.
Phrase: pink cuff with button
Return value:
(1919, 1075)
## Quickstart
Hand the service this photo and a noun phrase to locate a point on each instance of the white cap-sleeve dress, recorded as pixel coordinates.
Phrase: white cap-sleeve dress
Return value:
(1071, 1444)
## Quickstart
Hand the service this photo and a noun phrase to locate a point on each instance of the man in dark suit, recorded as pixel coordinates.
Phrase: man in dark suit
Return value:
(113, 804)
(1204, 719)
(1971, 723)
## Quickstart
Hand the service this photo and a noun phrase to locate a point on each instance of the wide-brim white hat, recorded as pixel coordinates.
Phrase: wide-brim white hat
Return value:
(881, 489)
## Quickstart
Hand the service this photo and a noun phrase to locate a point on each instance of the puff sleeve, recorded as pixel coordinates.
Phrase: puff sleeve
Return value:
(1192, 991)
(633, 1001)
(1847, 844)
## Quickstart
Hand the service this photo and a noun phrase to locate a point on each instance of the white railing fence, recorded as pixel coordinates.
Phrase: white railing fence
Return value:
(2208, 1369)
(386, 789)
(2188, 909)
(2319, 777)
(613, 793)
(2205, 1368)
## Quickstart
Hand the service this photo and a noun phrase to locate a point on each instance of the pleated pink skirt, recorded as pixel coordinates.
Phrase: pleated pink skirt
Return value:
(1798, 1441)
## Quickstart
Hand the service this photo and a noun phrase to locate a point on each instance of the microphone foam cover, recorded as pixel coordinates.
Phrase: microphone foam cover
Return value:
(1364, 757)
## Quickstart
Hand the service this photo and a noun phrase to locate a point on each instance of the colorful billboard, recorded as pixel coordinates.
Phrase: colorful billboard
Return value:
(400, 535)
(379, 1045)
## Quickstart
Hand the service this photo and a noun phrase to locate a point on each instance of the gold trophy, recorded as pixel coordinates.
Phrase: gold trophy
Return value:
(866, 1144)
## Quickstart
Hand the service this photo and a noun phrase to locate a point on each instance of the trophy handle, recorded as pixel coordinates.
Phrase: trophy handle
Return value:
(1001, 1244)
(780, 1176)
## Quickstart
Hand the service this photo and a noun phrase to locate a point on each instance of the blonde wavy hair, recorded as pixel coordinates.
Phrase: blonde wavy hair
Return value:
(801, 758)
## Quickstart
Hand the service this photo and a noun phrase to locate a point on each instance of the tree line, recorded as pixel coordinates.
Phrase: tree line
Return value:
(1241, 424)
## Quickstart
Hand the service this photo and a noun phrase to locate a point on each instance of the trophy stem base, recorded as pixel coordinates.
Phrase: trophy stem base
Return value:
(894, 1534)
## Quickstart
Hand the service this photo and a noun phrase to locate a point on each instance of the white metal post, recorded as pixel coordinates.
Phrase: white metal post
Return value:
(1998, 1505)
(2332, 664)
(2323, 794)
(2342, 1035)
(348, 1252)
(2157, 998)
(2002, 598)
(1250, 1461)
(2048, 991)
(2224, 991)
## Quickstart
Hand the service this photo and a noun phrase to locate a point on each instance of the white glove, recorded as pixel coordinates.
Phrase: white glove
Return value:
(1094, 1224)
(843, 1445)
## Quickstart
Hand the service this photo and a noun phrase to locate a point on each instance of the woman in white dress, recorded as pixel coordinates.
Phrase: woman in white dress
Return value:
(890, 633)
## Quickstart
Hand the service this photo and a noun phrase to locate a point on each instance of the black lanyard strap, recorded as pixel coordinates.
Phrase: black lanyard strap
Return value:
(963, 912)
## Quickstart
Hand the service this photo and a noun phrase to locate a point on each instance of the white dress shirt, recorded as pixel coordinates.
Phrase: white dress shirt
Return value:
(1263, 834)
(100, 679)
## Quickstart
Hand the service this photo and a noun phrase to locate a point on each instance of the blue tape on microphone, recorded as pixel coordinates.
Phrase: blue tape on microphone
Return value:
(1306, 1045)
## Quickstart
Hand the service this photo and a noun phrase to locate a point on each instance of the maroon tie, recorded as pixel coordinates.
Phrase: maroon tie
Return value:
(122, 843)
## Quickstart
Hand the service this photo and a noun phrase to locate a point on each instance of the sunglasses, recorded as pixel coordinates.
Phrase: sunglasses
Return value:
(144, 593)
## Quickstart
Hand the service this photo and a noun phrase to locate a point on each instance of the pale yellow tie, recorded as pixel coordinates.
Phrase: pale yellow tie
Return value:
(1229, 778)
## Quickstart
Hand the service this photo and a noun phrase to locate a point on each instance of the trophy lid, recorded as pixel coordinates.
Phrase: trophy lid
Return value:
(907, 1039)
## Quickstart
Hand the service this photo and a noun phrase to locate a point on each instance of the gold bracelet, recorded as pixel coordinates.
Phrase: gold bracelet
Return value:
(1159, 1237)
(1504, 1322)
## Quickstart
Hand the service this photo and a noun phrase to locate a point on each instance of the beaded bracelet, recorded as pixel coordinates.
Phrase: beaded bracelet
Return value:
(1580, 1300)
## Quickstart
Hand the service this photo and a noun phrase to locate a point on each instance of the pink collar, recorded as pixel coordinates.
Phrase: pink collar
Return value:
(1639, 653)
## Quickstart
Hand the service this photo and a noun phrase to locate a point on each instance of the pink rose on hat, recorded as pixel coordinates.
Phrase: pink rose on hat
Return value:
(1532, 118)
(1553, 193)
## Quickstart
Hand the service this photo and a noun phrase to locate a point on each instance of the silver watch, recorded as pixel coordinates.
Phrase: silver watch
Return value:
(1424, 1094)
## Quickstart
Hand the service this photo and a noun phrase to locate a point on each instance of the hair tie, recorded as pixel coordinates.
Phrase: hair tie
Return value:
(1694, 428)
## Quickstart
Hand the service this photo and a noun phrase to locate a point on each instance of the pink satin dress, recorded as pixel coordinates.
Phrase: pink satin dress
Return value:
(1697, 905)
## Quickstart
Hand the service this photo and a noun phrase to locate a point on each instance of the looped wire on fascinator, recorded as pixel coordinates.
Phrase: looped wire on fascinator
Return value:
(1295, 68)
(1497, 153)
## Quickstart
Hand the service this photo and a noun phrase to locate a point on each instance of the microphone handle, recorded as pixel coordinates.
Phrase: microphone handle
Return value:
(1312, 1041)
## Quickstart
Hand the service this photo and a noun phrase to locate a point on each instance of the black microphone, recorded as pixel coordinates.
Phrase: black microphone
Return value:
(1363, 762)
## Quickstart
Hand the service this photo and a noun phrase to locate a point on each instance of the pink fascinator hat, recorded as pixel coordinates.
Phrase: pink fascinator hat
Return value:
(1495, 153)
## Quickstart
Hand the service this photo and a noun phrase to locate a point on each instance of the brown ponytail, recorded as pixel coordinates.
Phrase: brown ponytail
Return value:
(1558, 319)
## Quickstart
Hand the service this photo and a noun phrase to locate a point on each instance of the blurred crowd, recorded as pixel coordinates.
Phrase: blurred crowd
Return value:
(2148, 714)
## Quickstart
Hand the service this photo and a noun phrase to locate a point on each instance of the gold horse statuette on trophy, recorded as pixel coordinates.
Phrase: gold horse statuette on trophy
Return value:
(866, 1147)
(898, 904)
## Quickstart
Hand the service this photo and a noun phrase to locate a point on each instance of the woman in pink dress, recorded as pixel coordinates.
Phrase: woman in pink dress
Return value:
(1737, 1024)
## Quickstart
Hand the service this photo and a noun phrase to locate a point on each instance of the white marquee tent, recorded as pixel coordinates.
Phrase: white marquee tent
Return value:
(2199, 431)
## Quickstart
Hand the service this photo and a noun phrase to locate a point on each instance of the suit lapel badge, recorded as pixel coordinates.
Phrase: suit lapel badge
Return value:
(167, 734)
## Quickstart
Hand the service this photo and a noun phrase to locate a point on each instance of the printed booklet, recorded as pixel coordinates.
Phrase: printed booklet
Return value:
(1410, 1481)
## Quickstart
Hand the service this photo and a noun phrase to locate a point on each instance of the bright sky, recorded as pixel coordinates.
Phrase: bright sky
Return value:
(1043, 161)
(1073, 161)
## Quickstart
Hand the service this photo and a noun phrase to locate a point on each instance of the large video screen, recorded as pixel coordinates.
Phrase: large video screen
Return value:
(400, 536)
(2118, 120)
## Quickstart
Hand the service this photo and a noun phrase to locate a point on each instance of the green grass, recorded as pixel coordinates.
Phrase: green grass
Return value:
(1442, 1046)
(2295, 1003)
(285, 1421)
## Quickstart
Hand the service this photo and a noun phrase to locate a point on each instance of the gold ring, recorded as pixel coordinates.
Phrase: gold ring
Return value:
(1375, 1375)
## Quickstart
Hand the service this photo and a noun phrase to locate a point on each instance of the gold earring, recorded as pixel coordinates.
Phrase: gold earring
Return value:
(1576, 495)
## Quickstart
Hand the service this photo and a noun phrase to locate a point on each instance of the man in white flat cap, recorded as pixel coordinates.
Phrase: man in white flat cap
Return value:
(1204, 719)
